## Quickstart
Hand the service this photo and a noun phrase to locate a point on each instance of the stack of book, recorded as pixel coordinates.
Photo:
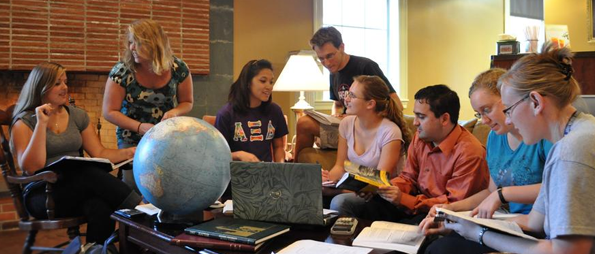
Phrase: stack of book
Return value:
(229, 234)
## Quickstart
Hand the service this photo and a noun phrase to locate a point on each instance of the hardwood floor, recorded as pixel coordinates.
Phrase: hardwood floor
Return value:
(12, 241)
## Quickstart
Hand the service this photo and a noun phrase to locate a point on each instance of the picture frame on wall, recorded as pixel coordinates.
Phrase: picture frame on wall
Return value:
(590, 20)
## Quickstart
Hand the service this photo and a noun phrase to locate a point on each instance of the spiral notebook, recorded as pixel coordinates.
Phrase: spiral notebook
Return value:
(278, 192)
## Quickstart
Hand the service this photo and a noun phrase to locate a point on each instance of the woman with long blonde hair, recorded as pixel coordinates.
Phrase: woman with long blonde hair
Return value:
(147, 86)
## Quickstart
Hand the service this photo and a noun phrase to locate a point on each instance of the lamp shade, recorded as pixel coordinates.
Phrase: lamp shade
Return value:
(301, 73)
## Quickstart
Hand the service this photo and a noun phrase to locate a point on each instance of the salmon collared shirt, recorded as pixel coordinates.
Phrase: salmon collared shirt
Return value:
(452, 171)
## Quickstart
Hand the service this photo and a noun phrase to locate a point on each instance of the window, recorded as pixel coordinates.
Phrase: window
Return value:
(525, 17)
(369, 28)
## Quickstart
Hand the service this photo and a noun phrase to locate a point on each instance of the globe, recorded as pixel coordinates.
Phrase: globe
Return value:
(181, 165)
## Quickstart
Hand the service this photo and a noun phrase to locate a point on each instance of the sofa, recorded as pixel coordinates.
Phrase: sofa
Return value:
(327, 157)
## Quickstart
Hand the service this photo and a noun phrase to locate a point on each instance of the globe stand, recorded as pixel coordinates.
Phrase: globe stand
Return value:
(179, 221)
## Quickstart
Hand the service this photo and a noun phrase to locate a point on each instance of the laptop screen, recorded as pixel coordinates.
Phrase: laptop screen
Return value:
(277, 192)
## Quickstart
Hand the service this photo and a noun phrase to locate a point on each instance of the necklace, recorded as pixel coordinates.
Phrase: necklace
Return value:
(570, 122)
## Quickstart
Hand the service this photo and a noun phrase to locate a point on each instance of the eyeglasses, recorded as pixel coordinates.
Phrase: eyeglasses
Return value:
(351, 95)
(508, 111)
(486, 111)
(328, 56)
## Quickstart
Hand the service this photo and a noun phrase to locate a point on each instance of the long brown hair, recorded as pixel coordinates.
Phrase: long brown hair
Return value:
(375, 89)
(41, 79)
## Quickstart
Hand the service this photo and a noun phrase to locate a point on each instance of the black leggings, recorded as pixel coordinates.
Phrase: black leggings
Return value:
(455, 243)
(89, 192)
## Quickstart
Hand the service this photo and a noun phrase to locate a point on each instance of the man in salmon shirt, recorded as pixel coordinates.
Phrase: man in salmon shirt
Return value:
(445, 163)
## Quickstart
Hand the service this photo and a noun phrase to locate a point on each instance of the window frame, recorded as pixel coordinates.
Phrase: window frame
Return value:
(400, 83)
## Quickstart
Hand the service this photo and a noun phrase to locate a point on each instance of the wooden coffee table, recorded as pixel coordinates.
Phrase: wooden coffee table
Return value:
(140, 233)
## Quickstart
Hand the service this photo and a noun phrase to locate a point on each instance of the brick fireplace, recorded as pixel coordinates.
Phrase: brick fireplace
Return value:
(210, 91)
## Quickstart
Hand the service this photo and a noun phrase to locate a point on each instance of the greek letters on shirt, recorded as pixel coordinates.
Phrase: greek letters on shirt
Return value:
(255, 131)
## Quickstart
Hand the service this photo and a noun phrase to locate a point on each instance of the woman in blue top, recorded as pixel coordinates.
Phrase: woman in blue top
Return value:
(148, 86)
(251, 123)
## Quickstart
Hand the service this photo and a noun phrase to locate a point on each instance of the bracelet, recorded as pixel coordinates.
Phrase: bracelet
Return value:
(138, 128)
(502, 200)
(481, 233)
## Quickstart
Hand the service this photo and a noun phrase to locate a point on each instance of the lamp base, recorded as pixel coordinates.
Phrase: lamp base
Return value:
(301, 104)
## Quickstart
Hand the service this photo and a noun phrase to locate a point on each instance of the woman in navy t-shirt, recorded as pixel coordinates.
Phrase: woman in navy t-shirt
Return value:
(251, 123)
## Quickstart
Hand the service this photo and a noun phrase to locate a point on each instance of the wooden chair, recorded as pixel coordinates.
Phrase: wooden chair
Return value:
(16, 182)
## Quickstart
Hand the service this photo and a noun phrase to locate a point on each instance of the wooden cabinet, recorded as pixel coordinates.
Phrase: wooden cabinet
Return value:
(583, 64)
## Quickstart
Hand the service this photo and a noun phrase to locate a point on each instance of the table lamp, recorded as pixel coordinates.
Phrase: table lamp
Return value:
(301, 73)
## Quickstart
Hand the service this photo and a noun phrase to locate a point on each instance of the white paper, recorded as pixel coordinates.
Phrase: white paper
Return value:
(391, 236)
(228, 208)
(323, 118)
(149, 209)
(311, 246)
(329, 211)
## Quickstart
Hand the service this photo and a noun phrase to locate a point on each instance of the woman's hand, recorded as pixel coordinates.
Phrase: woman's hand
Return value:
(170, 114)
(43, 113)
(430, 227)
(244, 156)
(129, 152)
(144, 128)
(466, 229)
(488, 206)
(325, 176)
(391, 194)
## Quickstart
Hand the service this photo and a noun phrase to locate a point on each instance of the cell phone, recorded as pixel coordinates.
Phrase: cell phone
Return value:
(344, 226)
(129, 213)
(440, 216)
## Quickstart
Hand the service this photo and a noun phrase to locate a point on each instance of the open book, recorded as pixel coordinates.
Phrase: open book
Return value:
(507, 227)
(323, 118)
(67, 162)
(390, 236)
(361, 178)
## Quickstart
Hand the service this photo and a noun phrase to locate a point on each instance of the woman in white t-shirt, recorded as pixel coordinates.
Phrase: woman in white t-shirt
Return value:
(374, 134)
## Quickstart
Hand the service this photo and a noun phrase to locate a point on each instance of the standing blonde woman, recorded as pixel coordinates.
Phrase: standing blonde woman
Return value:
(44, 130)
(149, 85)
(538, 92)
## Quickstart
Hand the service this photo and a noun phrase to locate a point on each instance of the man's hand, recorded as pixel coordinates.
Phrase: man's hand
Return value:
(390, 193)
(430, 227)
(432, 212)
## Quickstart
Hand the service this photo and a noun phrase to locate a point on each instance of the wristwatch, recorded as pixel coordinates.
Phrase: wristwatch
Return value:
(481, 233)
(502, 200)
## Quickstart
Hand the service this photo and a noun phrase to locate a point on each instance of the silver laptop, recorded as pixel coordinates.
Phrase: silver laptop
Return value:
(277, 192)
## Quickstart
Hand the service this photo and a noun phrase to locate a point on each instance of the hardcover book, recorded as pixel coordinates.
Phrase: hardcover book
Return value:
(391, 236)
(210, 243)
(361, 178)
(68, 162)
(238, 230)
(323, 118)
